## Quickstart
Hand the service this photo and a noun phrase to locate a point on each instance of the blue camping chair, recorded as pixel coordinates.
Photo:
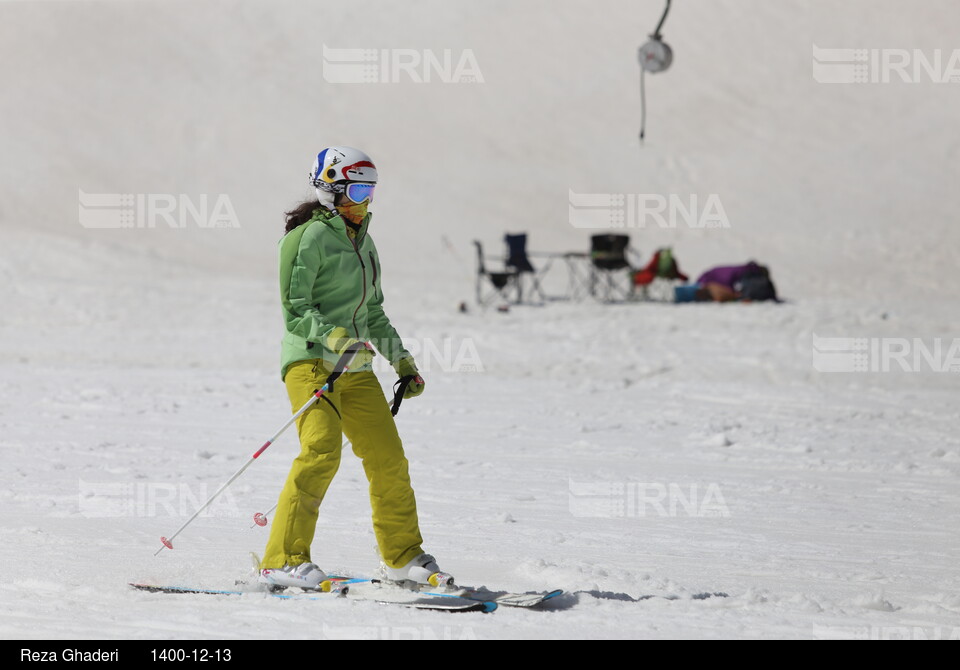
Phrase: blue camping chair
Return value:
(519, 261)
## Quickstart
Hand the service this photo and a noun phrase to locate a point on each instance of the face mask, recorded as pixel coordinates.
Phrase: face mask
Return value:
(352, 211)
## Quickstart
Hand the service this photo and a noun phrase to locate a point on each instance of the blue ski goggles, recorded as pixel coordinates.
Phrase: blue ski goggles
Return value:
(359, 191)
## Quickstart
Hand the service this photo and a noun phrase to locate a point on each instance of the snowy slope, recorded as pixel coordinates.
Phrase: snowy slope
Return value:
(140, 362)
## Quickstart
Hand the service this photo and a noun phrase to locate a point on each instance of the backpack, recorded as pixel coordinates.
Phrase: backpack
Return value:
(663, 265)
(756, 285)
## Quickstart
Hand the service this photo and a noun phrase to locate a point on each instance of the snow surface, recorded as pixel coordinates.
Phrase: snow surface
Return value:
(136, 363)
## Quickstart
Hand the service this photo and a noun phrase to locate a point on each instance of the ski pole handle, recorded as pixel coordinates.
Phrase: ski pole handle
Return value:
(399, 389)
(343, 364)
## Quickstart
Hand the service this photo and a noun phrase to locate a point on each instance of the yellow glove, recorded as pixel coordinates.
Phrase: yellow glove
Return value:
(406, 367)
(339, 340)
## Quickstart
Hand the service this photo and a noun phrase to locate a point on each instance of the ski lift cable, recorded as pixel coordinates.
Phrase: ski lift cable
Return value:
(654, 56)
(666, 10)
(643, 104)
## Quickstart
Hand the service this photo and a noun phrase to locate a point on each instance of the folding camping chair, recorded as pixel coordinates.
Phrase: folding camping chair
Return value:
(492, 285)
(610, 271)
(518, 260)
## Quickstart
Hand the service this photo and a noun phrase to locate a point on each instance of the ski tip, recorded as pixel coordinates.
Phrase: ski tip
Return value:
(489, 606)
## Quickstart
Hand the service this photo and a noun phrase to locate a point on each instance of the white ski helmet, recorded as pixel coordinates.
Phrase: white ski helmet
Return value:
(336, 167)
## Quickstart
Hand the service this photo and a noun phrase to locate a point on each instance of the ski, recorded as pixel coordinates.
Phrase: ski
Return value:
(352, 589)
(480, 594)
(507, 599)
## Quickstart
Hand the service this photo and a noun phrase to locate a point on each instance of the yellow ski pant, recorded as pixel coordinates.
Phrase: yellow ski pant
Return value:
(357, 409)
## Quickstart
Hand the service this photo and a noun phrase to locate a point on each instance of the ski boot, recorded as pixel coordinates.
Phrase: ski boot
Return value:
(306, 576)
(422, 569)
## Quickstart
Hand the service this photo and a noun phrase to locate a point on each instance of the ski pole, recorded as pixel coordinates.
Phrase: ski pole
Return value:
(399, 388)
(342, 365)
(261, 518)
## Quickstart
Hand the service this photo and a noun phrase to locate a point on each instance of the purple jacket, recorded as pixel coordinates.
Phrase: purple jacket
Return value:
(728, 275)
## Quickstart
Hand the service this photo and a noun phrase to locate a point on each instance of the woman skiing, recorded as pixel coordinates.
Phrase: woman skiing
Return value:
(330, 288)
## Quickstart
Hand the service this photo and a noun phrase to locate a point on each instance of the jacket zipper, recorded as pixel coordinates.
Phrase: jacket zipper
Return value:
(373, 264)
(363, 269)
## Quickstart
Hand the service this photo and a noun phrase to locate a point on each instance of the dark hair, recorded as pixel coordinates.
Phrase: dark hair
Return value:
(300, 214)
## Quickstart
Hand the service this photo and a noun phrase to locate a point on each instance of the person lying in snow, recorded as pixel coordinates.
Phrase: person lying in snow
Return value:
(745, 283)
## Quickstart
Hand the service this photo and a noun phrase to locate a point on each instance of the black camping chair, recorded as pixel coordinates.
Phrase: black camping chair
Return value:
(611, 276)
(518, 260)
(492, 285)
